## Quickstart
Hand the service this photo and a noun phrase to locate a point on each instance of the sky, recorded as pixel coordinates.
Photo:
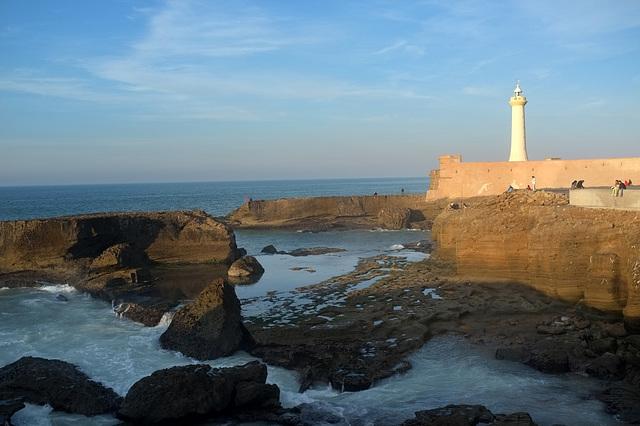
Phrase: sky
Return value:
(114, 91)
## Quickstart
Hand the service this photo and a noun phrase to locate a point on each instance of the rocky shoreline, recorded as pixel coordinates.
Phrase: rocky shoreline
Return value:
(403, 306)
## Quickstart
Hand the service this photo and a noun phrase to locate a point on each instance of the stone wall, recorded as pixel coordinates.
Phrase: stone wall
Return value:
(457, 180)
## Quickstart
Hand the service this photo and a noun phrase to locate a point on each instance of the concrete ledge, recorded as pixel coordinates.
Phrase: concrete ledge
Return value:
(601, 198)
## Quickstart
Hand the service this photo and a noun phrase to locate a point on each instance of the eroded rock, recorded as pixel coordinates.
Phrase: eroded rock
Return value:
(196, 392)
(57, 383)
(247, 266)
(535, 238)
(209, 327)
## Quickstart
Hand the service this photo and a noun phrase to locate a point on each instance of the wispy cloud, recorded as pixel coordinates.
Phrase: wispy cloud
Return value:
(402, 46)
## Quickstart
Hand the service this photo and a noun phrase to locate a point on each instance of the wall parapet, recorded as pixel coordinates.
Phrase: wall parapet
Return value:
(602, 198)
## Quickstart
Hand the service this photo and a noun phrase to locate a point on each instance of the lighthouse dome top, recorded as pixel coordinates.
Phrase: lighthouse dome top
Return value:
(517, 91)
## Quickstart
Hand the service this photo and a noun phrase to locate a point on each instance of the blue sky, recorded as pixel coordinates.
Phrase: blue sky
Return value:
(161, 91)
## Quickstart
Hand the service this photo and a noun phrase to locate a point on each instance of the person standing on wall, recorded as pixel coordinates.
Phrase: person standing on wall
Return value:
(533, 183)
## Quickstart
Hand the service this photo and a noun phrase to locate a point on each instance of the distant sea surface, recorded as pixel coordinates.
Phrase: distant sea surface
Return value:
(216, 198)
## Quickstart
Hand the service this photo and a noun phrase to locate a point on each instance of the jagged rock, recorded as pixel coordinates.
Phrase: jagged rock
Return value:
(601, 346)
(394, 218)
(269, 249)
(148, 314)
(607, 366)
(57, 383)
(452, 415)
(515, 419)
(467, 415)
(313, 251)
(8, 408)
(195, 392)
(209, 327)
(423, 246)
(547, 357)
(120, 255)
(246, 267)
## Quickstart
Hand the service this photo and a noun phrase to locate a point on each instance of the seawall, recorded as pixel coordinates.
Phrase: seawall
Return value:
(581, 255)
(456, 179)
(317, 213)
(602, 198)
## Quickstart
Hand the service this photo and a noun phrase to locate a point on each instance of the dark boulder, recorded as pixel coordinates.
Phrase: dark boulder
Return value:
(452, 415)
(313, 251)
(607, 366)
(269, 249)
(467, 415)
(601, 346)
(147, 313)
(57, 383)
(545, 356)
(209, 327)
(246, 267)
(197, 392)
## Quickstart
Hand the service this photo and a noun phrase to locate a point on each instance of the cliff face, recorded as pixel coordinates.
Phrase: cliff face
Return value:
(93, 244)
(582, 255)
(386, 211)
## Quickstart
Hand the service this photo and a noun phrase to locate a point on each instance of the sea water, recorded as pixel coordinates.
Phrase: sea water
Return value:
(117, 352)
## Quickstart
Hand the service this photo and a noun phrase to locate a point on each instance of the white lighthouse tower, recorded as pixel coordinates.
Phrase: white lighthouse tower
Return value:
(518, 138)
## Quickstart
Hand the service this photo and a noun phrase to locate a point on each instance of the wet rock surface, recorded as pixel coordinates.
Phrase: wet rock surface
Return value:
(313, 251)
(368, 321)
(57, 383)
(209, 327)
(193, 393)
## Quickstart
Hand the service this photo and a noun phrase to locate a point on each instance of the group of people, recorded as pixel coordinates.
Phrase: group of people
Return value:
(577, 184)
(619, 187)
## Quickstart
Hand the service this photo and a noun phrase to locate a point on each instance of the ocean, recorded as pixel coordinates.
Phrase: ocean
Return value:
(118, 352)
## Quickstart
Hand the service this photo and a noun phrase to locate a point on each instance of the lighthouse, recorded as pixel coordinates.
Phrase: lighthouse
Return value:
(518, 138)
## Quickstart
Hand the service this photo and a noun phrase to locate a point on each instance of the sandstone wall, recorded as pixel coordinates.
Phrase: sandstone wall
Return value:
(456, 179)
(354, 211)
(577, 254)
(76, 241)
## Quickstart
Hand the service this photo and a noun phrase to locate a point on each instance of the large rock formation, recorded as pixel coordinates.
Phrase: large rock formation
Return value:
(57, 383)
(467, 415)
(209, 327)
(110, 249)
(319, 213)
(582, 255)
(192, 393)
